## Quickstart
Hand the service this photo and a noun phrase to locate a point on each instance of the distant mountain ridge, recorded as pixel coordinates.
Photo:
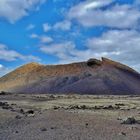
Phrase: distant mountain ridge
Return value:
(90, 77)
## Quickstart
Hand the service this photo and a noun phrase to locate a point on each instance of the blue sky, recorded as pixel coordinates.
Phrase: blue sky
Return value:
(65, 31)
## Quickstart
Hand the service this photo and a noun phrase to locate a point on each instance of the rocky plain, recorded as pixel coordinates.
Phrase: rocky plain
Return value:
(69, 117)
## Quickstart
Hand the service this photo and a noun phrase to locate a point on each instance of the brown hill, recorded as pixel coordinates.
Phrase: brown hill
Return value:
(91, 77)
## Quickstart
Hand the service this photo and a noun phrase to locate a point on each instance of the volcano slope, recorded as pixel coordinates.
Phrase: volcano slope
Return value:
(91, 77)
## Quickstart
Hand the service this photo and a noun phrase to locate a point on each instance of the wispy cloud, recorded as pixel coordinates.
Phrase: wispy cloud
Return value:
(64, 25)
(12, 55)
(62, 50)
(42, 38)
(30, 27)
(46, 27)
(33, 36)
(46, 39)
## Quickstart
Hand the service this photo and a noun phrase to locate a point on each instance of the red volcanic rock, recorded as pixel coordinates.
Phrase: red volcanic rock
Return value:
(92, 77)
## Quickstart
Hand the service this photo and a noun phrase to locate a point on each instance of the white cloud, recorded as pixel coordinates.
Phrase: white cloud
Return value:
(33, 36)
(13, 10)
(46, 39)
(84, 7)
(11, 55)
(64, 25)
(89, 13)
(61, 50)
(30, 27)
(46, 27)
(42, 38)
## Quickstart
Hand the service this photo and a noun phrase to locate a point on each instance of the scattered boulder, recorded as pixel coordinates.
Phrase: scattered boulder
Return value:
(122, 133)
(98, 107)
(5, 105)
(30, 112)
(73, 107)
(108, 107)
(120, 104)
(2, 93)
(83, 107)
(119, 118)
(13, 104)
(16, 132)
(22, 111)
(30, 115)
(13, 110)
(56, 107)
(18, 117)
(52, 97)
(111, 107)
(43, 129)
(133, 128)
(129, 120)
(86, 124)
(53, 127)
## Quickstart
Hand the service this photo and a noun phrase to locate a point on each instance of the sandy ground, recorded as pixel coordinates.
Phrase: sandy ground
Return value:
(72, 117)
